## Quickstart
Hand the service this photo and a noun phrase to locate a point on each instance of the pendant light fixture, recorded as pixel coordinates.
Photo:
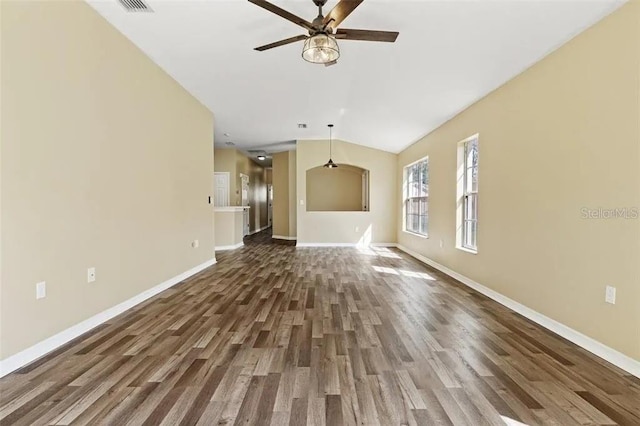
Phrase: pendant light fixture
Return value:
(330, 164)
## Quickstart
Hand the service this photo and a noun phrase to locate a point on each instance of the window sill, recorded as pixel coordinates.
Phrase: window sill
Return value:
(426, 237)
(468, 250)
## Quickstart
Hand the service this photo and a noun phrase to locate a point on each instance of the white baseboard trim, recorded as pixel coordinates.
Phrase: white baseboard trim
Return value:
(346, 245)
(233, 247)
(605, 352)
(42, 348)
(282, 237)
(258, 230)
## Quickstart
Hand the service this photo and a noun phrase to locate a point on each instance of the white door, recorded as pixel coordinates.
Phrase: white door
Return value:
(245, 201)
(270, 205)
(221, 185)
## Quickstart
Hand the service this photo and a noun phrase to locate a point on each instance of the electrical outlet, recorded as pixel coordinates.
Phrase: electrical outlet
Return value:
(610, 295)
(302, 202)
(41, 290)
(91, 275)
(357, 229)
(195, 244)
(441, 243)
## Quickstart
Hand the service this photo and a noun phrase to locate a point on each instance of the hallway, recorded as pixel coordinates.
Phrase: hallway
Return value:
(262, 237)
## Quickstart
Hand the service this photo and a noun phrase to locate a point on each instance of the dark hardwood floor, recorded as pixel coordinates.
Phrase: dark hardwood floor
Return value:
(275, 334)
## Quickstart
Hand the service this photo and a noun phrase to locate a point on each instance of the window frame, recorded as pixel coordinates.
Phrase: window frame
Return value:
(468, 198)
(408, 198)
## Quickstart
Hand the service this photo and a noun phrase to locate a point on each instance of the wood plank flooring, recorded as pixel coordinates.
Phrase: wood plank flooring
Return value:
(279, 335)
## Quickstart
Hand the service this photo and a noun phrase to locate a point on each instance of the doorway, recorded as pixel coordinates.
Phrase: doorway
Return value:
(244, 202)
(269, 205)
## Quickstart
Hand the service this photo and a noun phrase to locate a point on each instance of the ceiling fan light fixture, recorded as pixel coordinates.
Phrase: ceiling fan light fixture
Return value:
(320, 48)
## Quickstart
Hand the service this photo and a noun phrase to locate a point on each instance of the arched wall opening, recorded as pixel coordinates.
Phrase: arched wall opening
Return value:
(345, 188)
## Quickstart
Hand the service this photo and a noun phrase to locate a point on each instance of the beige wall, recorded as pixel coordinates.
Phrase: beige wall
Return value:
(293, 185)
(1, 116)
(280, 174)
(337, 189)
(105, 163)
(225, 161)
(228, 227)
(562, 136)
(378, 224)
(284, 194)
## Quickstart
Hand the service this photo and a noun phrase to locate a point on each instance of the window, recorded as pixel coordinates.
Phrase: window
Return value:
(468, 194)
(416, 197)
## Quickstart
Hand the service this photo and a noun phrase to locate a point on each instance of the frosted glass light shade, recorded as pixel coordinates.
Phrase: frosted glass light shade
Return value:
(320, 49)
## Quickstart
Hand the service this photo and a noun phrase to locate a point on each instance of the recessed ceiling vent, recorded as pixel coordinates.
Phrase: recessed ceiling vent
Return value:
(135, 6)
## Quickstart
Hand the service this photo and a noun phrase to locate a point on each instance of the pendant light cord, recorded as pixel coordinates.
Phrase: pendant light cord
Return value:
(330, 142)
(330, 164)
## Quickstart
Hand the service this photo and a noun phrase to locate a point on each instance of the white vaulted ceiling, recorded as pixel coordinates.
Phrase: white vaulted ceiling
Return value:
(384, 95)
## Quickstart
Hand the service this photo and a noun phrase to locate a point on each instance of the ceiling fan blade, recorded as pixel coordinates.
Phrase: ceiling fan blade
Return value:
(282, 13)
(340, 12)
(366, 35)
(281, 43)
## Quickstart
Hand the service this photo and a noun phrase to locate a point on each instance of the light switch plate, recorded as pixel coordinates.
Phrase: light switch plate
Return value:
(41, 290)
(610, 295)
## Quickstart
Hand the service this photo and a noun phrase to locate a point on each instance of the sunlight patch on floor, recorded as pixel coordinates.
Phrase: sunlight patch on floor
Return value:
(378, 251)
(415, 274)
(411, 274)
(510, 422)
(385, 270)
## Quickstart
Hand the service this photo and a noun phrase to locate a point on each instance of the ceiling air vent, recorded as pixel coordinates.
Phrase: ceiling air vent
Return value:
(135, 6)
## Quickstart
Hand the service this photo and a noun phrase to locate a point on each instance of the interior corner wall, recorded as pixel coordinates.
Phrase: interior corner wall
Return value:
(378, 225)
(293, 183)
(105, 163)
(280, 176)
(559, 147)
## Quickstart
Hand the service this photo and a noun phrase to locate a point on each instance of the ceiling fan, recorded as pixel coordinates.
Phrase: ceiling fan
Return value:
(320, 46)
